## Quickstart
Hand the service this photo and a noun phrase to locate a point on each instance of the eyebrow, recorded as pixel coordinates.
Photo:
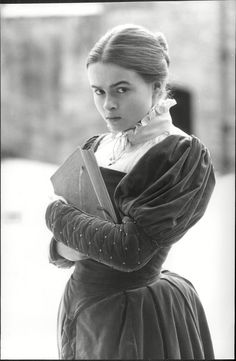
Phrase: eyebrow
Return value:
(114, 85)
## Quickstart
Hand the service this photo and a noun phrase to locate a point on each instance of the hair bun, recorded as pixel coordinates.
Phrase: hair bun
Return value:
(162, 41)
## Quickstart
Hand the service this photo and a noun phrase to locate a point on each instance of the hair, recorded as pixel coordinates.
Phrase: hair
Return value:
(136, 48)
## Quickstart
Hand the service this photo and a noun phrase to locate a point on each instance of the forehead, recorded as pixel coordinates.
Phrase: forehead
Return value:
(106, 75)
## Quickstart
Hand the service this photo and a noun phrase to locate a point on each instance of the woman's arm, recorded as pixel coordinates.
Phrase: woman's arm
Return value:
(59, 251)
(122, 246)
(170, 187)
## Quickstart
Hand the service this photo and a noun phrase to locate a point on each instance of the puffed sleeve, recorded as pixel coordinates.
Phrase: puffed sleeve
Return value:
(172, 191)
(159, 200)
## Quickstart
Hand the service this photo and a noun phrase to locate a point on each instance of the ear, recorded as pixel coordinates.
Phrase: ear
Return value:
(156, 91)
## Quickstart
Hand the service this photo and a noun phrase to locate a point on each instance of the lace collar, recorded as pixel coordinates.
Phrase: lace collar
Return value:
(157, 122)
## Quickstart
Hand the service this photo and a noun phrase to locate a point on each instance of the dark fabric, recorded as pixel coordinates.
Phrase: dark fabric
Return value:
(168, 190)
(118, 304)
(164, 195)
(163, 319)
(54, 257)
(93, 142)
(112, 178)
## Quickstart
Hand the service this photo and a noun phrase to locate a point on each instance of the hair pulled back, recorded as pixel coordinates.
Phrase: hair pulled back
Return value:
(136, 48)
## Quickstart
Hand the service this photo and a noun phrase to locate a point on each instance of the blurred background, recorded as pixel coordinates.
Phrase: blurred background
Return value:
(47, 110)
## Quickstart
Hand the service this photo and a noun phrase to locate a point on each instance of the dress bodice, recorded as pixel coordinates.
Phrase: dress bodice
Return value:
(105, 277)
(118, 304)
(112, 178)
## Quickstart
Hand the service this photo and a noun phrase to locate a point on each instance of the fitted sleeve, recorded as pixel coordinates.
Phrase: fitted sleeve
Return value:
(123, 246)
(165, 194)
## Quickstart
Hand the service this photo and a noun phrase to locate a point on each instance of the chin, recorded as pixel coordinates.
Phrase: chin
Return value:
(114, 128)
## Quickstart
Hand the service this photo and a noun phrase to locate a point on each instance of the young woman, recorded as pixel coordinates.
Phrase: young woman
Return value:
(119, 303)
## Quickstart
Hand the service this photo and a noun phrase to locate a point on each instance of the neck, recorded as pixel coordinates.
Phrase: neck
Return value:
(156, 122)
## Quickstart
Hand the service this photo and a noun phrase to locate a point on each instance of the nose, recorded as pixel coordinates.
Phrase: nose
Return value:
(110, 103)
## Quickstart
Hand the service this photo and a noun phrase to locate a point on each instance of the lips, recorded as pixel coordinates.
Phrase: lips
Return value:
(113, 118)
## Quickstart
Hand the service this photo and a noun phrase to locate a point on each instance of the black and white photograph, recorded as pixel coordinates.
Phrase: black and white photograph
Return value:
(118, 180)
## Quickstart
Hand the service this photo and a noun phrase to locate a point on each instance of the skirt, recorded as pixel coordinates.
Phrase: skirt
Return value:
(157, 316)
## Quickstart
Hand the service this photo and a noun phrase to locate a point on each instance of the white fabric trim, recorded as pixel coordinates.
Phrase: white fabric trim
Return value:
(132, 153)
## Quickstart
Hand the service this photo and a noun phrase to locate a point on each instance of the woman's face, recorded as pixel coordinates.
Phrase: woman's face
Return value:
(121, 96)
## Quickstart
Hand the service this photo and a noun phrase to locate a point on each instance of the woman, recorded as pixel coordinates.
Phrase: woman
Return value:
(119, 303)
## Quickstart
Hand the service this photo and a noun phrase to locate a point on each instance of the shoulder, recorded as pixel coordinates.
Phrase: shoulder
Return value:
(168, 162)
(177, 131)
(166, 152)
(93, 142)
(89, 142)
(168, 190)
(172, 148)
(163, 157)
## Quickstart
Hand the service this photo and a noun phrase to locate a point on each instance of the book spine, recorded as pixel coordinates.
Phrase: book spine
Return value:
(96, 179)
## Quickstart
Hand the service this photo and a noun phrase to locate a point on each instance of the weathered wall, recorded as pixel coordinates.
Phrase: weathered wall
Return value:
(47, 107)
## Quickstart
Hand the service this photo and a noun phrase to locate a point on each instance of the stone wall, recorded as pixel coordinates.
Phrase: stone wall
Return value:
(47, 106)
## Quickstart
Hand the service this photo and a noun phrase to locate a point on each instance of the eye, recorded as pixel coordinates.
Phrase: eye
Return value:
(122, 90)
(98, 91)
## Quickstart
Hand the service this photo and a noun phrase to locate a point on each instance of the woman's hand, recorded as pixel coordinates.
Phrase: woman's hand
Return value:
(69, 253)
(122, 246)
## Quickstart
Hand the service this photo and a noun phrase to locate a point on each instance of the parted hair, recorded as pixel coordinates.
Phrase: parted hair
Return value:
(136, 48)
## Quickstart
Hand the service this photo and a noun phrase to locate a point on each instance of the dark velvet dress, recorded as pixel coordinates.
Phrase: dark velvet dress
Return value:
(119, 303)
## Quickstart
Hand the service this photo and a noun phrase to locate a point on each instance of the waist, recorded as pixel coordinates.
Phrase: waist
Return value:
(92, 274)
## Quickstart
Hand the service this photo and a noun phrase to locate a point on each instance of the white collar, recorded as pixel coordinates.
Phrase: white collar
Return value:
(155, 123)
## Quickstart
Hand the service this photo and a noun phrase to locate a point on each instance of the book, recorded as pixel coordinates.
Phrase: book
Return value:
(79, 181)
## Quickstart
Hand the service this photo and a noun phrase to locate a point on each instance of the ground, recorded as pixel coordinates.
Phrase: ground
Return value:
(31, 288)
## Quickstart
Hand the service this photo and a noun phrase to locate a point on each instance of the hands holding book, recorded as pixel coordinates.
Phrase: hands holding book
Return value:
(61, 249)
(78, 182)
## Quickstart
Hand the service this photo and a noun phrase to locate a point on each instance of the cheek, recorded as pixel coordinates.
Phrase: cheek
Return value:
(140, 105)
(98, 104)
